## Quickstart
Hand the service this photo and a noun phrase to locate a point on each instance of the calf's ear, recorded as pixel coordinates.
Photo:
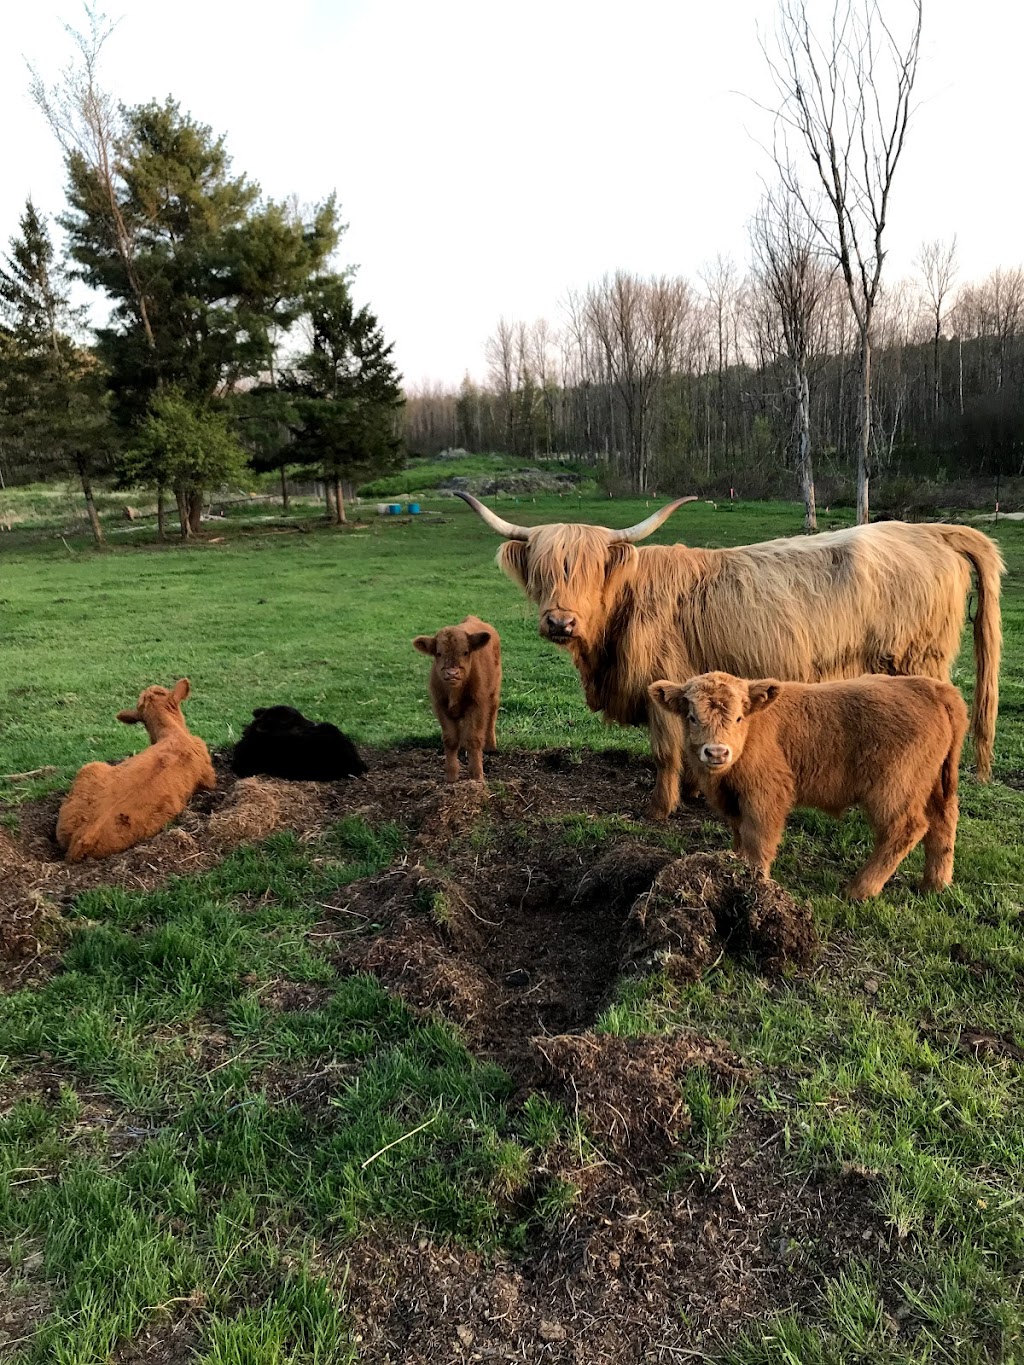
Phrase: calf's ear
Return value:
(513, 560)
(181, 690)
(478, 639)
(426, 644)
(761, 694)
(129, 717)
(672, 696)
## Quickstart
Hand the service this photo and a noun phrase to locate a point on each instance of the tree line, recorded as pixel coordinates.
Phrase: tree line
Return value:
(232, 337)
(674, 384)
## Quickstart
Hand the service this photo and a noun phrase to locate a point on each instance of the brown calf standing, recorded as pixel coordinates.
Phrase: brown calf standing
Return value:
(110, 807)
(465, 683)
(890, 745)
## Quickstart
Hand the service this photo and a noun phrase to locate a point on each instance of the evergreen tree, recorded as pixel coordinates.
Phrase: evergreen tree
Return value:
(347, 390)
(53, 404)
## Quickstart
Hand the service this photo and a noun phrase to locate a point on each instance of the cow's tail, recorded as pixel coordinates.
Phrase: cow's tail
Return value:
(988, 567)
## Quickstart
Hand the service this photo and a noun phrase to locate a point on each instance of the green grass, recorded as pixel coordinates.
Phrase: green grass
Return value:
(180, 1169)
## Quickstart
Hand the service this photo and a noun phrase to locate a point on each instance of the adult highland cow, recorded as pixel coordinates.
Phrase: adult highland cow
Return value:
(883, 598)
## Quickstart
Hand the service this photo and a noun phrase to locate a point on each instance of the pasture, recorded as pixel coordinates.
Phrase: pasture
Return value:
(278, 1101)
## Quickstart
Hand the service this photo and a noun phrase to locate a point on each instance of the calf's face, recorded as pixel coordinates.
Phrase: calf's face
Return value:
(452, 649)
(715, 708)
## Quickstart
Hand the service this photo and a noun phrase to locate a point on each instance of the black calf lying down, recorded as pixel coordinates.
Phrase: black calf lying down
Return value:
(280, 742)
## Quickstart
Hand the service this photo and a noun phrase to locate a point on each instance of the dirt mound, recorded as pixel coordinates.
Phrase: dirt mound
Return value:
(628, 1089)
(706, 903)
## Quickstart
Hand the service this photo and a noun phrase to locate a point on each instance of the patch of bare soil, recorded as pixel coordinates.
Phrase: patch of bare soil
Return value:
(168, 1341)
(980, 1044)
(628, 1089)
(637, 1275)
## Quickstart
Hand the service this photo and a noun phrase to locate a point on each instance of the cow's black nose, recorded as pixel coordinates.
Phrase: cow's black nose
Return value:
(560, 627)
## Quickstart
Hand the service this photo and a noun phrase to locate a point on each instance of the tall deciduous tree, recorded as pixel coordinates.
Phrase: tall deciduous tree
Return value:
(796, 282)
(845, 100)
(53, 406)
(936, 262)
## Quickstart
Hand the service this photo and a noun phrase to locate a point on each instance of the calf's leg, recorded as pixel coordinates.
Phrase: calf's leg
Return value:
(758, 835)
(450, 733)
(473, 730)
(893, 841)
(940, 839)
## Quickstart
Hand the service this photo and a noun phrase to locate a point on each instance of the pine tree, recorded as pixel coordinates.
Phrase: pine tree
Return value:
(53, 404)
(347, 390)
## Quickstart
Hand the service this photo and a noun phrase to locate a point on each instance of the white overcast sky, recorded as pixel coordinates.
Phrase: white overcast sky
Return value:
(489, 156)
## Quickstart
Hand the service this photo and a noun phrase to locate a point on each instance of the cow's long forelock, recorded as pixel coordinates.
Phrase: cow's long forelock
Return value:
(584, 549)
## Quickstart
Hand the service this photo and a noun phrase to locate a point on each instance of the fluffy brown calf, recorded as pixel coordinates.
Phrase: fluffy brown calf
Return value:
(889, 745)
(110, 807)
(465, 684)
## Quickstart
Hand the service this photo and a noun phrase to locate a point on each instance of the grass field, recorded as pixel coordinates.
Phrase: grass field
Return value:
(197, 1110)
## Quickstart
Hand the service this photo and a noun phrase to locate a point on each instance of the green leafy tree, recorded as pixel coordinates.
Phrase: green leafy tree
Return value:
(53, 403)
(185, 447)
(346, 389)
(215, 275)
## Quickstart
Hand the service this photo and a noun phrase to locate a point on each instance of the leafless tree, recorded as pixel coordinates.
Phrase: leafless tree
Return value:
(795, 278)
(846, 101)
(88, 124)
(636, 324)
(936, 262)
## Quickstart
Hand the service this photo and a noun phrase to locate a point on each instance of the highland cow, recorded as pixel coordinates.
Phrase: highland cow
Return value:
(111, 807)
(889, 745)
(280, 742)
(465, 684)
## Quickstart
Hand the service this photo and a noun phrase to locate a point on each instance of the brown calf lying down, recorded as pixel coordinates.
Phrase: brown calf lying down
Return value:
(888, 745)
(465, 683)
(110, 807)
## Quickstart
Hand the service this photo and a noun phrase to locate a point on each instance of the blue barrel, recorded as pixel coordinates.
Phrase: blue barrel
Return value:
(395, 507)
(414, 508)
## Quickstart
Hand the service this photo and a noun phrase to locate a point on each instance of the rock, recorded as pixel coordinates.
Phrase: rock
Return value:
(551, 1331)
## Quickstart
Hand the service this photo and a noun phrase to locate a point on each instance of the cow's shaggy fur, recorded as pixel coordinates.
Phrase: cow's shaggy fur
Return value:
(883, 598)
(889, 745)
(111, 807)
(280, 742)
(465, 685)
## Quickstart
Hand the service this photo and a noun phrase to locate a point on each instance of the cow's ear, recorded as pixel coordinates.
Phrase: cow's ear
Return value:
(514, 561)
(181, 690)
(258, 711)
(761, 694)
(672, 696)
(129, 717)
(620, 555)
(478, 639)
(426, 644)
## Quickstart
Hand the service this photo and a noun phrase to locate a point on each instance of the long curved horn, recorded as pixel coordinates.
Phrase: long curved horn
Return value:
(650, 524)
(507, 529)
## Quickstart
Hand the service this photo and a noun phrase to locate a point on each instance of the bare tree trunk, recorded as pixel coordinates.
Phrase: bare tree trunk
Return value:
(90, 506)
(284, 489)
(339, 503)
(804, 452)
(160, 527)
(181, 498)
(195, 511)
(864, 448)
